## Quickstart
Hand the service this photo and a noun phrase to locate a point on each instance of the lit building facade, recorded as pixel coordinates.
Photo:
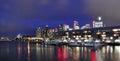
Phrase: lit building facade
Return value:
(66, 27)
(39, 32)
(95, 33)
(86, 26)
(76, 25)
(98, 23)
(60, 27)
(46, 32)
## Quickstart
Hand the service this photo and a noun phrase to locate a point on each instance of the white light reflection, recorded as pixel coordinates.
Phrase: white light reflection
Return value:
(38, 51)
(28, 48)
(19, 50)
(117, 50)
(109, 49)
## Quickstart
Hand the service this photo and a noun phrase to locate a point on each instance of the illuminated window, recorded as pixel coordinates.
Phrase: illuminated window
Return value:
(98, 33)
(115, 34)
(116, 30)
(119, 29)
(74, 36)
(103, 35)
(85, 31)
(73, 32)
(89, 31)
(79, 36)
(89, 35)
(111, 37)
(104, 32)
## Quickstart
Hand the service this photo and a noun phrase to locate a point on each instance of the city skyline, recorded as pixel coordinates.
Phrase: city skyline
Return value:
(59, 30)
(24, 16)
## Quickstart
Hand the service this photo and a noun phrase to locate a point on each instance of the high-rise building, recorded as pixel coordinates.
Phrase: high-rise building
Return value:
(76, 25)
(66, 27)
(39, 32)
(98, 23)
(48, 32)
(60, 27)
(45, 32)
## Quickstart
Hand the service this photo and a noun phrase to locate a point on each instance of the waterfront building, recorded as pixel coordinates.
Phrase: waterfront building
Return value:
(98, 23)
(95, 33)
(4, 39)
(19, 36)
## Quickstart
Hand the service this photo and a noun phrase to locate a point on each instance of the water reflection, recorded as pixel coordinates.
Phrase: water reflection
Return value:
(93, 56)
(28, 50)
(36, 52)
(117, 53)
(19, 51)
(61, 54)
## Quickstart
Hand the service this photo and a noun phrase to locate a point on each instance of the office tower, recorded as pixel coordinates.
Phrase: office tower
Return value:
(76, 25)
(47, 31)
(98, 23)
(66, 27)
(39, 32)
(60, 27)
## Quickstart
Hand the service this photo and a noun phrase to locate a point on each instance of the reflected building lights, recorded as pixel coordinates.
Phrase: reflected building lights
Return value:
(109, 49)
(103, 50)
(117, 52)
(99, 55)
(117, 48)
(78, 52)
(38, 51)
(74, 54)
(61, 54)
(19, 50)
(28, 48)
(93, 56)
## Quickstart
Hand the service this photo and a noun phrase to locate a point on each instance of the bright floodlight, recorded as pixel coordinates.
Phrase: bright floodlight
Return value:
(99, 18)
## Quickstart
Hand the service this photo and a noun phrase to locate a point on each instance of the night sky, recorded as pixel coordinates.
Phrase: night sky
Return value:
(24, 16)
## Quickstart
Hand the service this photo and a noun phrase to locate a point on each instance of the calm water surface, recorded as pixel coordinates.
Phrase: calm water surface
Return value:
(14, 51)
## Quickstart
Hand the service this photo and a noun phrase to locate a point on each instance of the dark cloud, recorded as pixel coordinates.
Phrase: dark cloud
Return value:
(46, 9)
(108, 9)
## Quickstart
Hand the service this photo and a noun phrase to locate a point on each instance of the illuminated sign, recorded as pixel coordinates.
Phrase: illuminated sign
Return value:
(98, 24)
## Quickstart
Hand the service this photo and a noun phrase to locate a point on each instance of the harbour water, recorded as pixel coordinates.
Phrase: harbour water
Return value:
(25, 51)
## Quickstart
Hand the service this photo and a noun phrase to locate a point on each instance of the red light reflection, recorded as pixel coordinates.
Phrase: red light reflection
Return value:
(93, 56)
(61, 54)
